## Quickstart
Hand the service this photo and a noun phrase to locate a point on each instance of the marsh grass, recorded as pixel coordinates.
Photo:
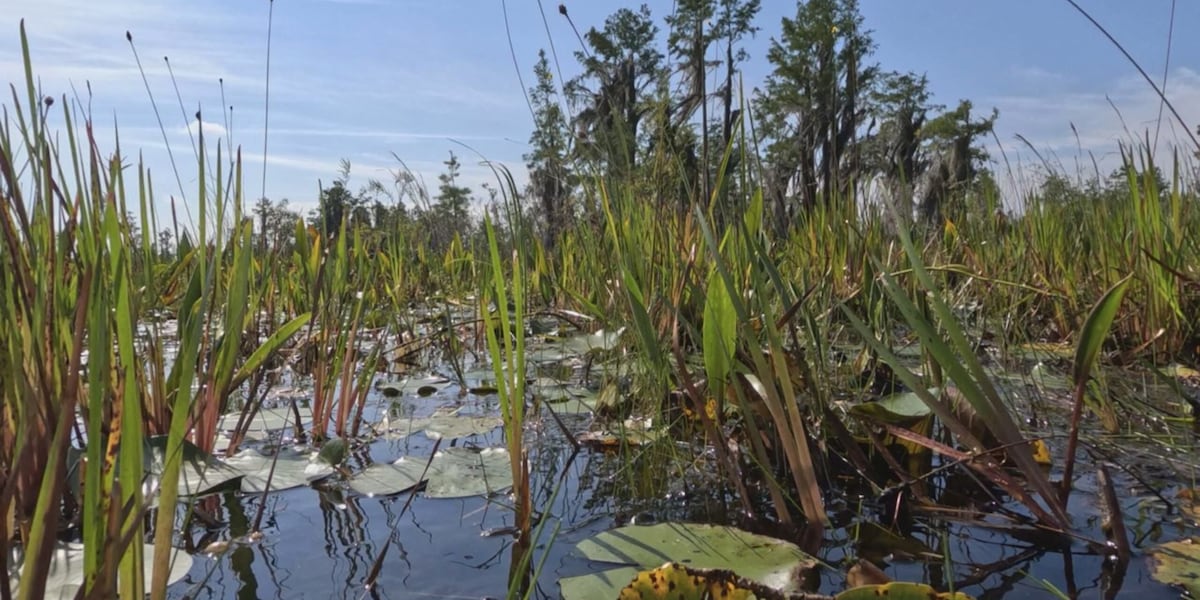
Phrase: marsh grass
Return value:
(81, 291)
(761, 305)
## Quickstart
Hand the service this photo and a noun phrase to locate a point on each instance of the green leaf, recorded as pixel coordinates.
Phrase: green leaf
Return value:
(199, 472)
(293, 468)
(453, 473)
(268, 347)
(66, 569)
(447, 426)
(1091, 338)
(898, 409)
(899, 590)
(719, 331)
(1177, 563)
(765, 560)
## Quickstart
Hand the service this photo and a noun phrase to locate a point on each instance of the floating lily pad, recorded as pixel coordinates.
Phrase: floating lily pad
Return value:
(452, 426)
(678, 582)
(293, 468)
(564, 399)
(1177, 563)
(453, 473)
(66, 569)
(765, 560)
(334, 452)
(461, 472)
(578, 345)
(200, 472)
(267, 419)
(899, 590)
(423, 386)
(898, 409)
(633, 433)
(388, 479)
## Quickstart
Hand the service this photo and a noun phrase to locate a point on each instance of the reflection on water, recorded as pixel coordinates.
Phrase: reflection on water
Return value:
(321, 542)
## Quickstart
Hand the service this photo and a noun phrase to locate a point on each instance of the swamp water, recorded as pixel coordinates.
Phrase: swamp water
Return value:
(320, 540)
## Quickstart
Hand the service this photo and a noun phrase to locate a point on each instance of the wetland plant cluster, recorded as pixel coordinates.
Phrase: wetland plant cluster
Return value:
(838, 321)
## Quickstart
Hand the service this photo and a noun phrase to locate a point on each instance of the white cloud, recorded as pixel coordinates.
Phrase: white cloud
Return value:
(1123, 111)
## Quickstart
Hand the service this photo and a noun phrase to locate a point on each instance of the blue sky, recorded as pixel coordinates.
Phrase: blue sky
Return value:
(372, 80)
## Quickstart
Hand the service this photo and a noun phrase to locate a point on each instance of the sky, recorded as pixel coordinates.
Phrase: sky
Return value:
(399, 84)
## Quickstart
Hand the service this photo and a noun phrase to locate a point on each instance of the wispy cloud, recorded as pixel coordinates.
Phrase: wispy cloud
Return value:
(1060, 122)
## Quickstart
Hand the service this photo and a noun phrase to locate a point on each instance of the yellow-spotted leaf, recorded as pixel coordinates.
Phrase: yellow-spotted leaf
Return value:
(677, 582)
(899, 590)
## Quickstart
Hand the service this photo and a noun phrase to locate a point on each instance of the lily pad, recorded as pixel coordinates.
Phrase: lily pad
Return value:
(462, 472)
(578, 345)
(293, 468)
(899, 590)
(388, 479)
(901, 410)
(1177, 563)
(453, 473)
(66, 569)
(451, 426)
(267, 419)
(423, 386)
(200, 472)
(676, 581)
(765, 560)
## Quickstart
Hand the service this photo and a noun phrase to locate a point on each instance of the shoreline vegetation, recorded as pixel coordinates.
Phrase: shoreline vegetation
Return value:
(778, 272)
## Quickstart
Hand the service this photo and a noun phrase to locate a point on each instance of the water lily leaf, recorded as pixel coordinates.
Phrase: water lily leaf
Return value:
(578, 345)
(902, 410)
(461, 472)
(267, 419)
(675, 581)
(334, 452)
(633, 433)
(874, 540)
(65, 577)
(294, 468)
(388, 479)
(1177, 563)
(200, 472)
(767, 561)
(453, 473)
(451, 426)
(899, 590)
(573, 399)
(413, 386)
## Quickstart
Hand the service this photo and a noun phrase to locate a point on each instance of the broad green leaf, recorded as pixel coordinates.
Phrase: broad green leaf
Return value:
(676, 582)
(447, 426)
(65, 577)
(293, 468)
(273, 343)
(411, 386)
(765, 560)
(388, 479)
(199, 472)
(453, 473)
(898, 409)
(899, 590)
(267, 419)
(1177, 563)
(462, 472)
(1091, 338)
(719, 331)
